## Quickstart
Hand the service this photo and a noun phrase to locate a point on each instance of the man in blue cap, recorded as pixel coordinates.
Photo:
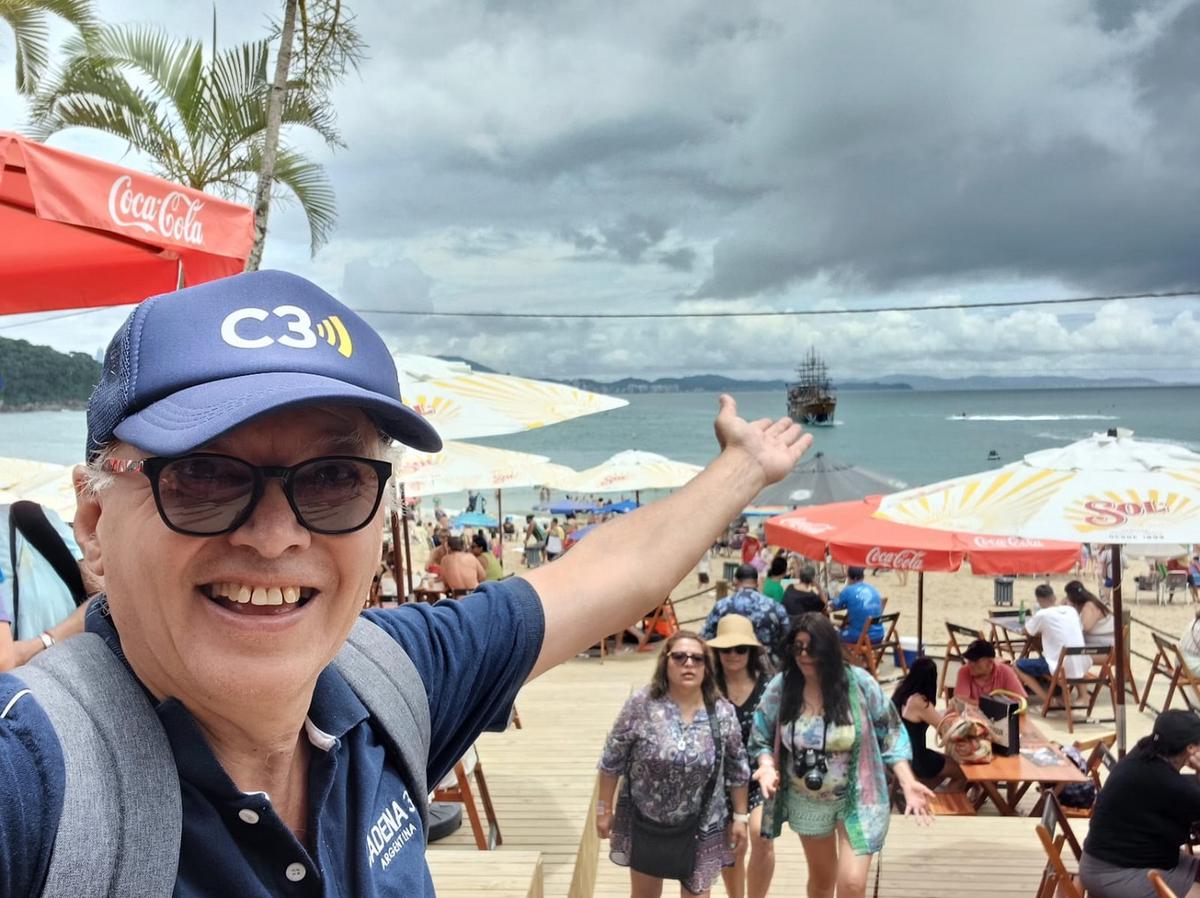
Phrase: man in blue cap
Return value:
(232, 501)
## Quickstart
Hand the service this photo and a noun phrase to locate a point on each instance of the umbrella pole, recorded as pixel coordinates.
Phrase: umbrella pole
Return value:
(1121, 647)
(500, 522)
(408, 567)
(826, 574)
(920, 613)
(637, 496)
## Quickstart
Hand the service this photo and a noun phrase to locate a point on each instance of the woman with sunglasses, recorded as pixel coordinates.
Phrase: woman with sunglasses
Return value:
(823, 736)
(742, 676)
(661, 748)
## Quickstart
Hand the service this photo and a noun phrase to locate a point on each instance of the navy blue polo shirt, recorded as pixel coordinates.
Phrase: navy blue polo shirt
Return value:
(472, 654)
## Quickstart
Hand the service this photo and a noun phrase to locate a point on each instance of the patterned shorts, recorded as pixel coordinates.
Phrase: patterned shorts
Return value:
(811, 817)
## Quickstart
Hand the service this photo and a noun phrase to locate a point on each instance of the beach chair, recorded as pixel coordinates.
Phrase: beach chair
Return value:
(1150, 583)
(1054, 832)
(1177, 581)
(867, 654)
(955, 648)
(661, 621)
(1100, 758)
(1161, 889)
(1093, 679)
(457, 787)
(1169, 662)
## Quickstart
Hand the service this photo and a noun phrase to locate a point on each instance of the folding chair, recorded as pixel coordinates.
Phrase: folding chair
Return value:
(1150, 583)
(457, 787)
(1054, 831)
(1100, 758)
(1161, 889)
(1177, 581)
(890, 642)
(1101, 656)
(954, 649)
(1169, 662)
(661, 621)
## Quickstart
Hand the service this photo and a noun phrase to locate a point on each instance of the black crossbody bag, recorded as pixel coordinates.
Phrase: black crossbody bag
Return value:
(668, 851)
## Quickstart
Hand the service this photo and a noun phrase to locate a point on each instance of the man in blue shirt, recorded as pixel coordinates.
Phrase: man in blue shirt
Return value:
(861, 602)
(232, 501)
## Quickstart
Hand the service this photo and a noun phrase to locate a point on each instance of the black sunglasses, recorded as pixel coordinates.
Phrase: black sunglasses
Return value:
(735, 650)
(206, 495)
(684, 658)
(802, 648)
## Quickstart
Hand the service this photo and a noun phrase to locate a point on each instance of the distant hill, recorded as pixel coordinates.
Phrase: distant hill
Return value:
(982, 382)
(33, 377)
(707, 383)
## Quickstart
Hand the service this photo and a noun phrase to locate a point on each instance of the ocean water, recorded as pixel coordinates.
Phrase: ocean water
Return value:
(915, 437)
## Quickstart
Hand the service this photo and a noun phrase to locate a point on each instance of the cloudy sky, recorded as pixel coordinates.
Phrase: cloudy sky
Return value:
(690, 155)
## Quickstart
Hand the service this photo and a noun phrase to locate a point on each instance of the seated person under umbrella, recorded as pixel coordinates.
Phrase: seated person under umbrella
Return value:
(982, 674)
(861, 602)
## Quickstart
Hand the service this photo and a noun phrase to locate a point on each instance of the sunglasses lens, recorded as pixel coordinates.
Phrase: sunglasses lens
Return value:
(204, 494)
(682, 658)
(335, 495)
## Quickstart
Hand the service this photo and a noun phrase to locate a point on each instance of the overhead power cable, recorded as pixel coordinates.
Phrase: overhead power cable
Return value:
(782, 313)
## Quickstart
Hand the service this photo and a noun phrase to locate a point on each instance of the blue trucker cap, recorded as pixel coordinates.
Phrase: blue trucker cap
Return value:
(188, 366)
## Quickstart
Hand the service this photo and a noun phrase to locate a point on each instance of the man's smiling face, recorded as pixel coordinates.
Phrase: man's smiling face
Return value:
(175, 598)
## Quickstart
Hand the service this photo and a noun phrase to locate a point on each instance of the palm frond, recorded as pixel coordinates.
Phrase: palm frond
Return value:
(308, 182)
(28, 21)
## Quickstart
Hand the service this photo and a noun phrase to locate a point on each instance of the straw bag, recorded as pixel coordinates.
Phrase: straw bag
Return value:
(964, 734)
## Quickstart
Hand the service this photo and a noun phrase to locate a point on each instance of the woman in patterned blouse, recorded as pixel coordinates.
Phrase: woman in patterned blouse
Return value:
(661, 748)
(742, 676)
(830, 731)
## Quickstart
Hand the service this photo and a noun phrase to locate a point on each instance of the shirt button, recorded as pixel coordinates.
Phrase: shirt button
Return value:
(248, 816)
(295, 872)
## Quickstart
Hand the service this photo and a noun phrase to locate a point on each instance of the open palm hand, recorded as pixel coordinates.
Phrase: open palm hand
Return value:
(775, 446)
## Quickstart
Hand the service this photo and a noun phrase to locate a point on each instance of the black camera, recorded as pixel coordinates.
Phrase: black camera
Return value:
(812, 767)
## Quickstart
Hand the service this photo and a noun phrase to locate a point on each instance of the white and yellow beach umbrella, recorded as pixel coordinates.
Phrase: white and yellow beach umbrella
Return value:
(629, 471)
(1105, 489)
(466, 466)
(50, 485)
(461, 402)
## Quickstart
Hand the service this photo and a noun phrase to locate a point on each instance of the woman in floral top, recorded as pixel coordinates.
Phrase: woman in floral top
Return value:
(830, 731)
(661, 748)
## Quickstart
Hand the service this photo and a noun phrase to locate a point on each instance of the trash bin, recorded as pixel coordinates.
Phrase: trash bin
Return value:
(1004, 590)
(908, 645)
(730, 571)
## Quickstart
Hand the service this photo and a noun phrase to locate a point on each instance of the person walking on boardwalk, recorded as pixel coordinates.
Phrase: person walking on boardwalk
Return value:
(676, 748)
(743, 672)
(824, 735)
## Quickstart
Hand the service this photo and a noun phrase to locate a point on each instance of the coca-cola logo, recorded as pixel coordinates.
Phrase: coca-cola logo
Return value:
(901, 560)
(803, 525)
(1113, 514)
(1006, 542)
(174, 216)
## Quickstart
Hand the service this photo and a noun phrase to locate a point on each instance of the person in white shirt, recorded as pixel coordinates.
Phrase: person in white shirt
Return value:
(1060, 627)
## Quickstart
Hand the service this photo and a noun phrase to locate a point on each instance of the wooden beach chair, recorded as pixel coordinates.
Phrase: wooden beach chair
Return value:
(1093, 679)
(1161, 889)
(955, 649)
(1054, 832)
(457, 787)
(867, 654)
(1168, 661)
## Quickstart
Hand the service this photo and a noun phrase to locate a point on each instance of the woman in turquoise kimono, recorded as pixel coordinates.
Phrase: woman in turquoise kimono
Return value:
(823, 737)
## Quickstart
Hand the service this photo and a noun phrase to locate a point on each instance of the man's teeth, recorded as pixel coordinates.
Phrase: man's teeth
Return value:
(257, 595)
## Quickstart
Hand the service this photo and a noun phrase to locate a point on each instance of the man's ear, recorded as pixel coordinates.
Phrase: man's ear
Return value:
(87, 520)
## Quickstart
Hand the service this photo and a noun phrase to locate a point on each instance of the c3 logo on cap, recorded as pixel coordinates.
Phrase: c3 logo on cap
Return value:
(300, 333)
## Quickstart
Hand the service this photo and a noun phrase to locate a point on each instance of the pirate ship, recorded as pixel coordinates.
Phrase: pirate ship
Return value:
(811, 399)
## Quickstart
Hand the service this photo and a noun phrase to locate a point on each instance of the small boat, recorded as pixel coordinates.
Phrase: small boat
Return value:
(811, 399)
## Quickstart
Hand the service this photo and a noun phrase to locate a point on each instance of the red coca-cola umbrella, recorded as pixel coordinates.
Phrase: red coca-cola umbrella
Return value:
(78, 232)
(848, 533)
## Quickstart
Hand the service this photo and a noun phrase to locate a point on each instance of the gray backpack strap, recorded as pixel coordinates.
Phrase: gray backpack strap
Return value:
(383, 676)
(122, 816)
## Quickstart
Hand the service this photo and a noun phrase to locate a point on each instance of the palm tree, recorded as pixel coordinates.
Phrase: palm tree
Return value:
(330, 45)
(201, 121)
(27, 19)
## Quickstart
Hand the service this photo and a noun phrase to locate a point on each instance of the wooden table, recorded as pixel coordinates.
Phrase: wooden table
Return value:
(1004, 629)
(1005, 780)
(430, 591)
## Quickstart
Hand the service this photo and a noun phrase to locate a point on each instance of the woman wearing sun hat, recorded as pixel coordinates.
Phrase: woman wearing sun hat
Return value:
(742, 675)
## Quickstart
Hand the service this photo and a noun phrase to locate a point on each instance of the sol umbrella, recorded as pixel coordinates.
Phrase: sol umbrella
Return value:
(79, 232)
(632, 470)
(821, 480)
(1109, 488)
(851, 534)
(47, 484)
(462, 402)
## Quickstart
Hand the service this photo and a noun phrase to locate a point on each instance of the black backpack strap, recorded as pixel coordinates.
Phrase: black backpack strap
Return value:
(30, 519)
(12, 558)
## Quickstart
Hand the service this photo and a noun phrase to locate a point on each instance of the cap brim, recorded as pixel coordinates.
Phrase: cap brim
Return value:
(729, 642)
(184, 421)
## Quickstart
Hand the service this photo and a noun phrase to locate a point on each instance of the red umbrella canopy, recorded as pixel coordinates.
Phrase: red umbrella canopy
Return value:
(853, 536)
(79, 232)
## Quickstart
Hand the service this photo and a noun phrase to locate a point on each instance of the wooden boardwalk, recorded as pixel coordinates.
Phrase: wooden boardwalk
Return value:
(542, 780)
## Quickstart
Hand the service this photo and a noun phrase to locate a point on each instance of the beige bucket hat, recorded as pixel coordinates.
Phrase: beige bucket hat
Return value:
(733, 630)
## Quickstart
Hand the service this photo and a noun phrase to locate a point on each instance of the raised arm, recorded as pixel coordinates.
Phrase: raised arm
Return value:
(629, 565)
